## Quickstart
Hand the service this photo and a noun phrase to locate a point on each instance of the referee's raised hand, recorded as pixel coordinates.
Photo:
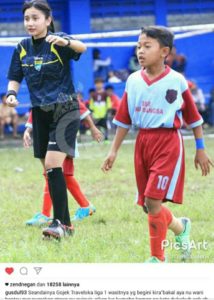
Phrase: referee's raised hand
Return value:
(56, 40)
(12, 101)
(76, 45)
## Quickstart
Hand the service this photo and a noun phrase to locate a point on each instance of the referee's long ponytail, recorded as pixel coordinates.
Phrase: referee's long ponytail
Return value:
(44, 7)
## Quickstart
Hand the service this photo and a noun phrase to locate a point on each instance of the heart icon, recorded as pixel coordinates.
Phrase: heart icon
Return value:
(9, 271)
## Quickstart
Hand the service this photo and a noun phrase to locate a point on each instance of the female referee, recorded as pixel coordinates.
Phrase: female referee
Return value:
(43, 60)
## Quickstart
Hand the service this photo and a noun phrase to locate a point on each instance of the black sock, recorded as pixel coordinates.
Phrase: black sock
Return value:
(67, 220)
(58, 192)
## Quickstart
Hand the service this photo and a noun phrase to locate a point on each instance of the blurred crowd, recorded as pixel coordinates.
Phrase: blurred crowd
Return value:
(102, 99)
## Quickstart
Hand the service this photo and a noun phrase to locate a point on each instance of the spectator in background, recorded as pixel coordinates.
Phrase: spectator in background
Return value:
(115, 103)
(133, 62)
(91, 94)
(199, 99)
(115, 100)
(176, 61)
(84, 126)
(8, 116)
(99, 104)
(112, 78)
(101, 67)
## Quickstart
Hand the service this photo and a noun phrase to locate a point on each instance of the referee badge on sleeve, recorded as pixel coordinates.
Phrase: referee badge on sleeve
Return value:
(38, 63)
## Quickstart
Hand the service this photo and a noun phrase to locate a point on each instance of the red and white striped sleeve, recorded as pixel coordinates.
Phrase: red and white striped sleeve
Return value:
(122, 117)
(29, 123)
(84, 111)
(189, 110)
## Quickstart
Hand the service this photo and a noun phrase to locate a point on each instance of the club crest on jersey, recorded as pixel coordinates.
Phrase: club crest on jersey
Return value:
(38, 63)
(171, 96)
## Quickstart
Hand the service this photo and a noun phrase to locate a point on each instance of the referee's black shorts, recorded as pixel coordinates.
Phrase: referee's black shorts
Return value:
(55, 128)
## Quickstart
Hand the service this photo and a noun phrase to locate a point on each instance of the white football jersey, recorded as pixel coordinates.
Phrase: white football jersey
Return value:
(163, 102)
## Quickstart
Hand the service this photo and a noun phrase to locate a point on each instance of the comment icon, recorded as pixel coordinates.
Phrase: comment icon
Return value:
(23, 271)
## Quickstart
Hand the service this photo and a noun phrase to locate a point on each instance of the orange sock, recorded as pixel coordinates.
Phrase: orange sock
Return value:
(75, 190)
(158, 225)
(47, 202)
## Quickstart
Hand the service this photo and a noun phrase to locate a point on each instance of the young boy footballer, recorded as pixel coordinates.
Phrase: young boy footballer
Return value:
(156, 100)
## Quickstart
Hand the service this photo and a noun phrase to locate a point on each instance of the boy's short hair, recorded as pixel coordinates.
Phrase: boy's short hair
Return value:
(98, 80)
(163, 35)
(92, 90)
(109, 87)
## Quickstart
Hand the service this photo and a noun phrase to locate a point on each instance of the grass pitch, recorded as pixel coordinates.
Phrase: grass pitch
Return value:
(118, 231)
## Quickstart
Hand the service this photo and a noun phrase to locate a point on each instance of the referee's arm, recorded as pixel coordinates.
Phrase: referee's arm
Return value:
(77, 46)
(12, 90)
(13, 86)
(66, 41)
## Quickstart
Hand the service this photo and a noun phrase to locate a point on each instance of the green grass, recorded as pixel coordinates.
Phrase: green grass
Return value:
(118, 231)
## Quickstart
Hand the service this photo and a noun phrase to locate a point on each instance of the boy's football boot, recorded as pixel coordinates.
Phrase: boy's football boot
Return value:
(154, 259)
(38, 220)
(183, 239)
(83, 212)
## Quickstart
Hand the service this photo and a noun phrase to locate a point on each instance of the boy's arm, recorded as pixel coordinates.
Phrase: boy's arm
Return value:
(194, 120)
(85, 115)
(27, 137)
(28, 131)
(95, 132)
(119, 137)
(201, 157)
(123, 122)
(29, 123)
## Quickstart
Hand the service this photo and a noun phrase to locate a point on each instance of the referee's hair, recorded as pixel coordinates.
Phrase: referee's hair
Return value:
(43, 6)
(162, 34)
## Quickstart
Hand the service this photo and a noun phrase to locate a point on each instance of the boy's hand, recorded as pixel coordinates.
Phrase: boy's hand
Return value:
(12, 101)
(109, 161)
(27, 138)
(203, 161)
(96, 134)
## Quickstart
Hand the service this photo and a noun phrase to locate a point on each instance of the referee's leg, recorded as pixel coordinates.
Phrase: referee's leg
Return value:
(57, 185)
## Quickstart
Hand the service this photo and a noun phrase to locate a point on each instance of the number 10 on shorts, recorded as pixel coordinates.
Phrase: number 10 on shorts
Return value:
(162, 182)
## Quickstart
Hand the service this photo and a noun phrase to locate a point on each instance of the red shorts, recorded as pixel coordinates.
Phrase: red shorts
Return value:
(68, 166)
(159, 165)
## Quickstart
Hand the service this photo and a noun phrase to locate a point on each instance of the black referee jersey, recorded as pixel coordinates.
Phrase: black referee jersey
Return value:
(46, 69)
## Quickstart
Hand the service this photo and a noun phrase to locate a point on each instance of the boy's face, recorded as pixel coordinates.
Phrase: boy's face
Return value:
(150, 52)
(99, 85)
(109, 92)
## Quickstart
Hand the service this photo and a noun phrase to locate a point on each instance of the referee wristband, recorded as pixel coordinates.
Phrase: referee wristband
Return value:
(199, 143)
(68, 42)
(11, 92)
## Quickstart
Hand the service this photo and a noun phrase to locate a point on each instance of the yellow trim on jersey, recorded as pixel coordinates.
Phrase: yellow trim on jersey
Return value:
(50, 62)
(47, 63)
(53, 49)
(22, 53)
